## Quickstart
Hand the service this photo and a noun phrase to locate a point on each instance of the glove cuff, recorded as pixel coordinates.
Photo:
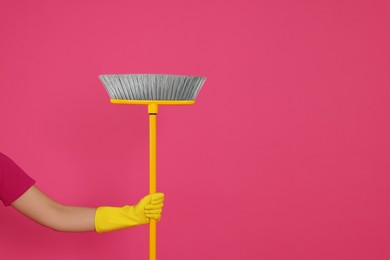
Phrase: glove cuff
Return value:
(115, 218)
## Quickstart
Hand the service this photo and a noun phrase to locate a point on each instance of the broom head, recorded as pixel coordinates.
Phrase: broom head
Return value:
(152, 88)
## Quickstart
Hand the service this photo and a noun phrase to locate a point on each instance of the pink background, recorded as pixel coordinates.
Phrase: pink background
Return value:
(285, 154)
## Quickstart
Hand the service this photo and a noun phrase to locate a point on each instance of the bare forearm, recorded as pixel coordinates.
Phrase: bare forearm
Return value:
(75, 219)
(36, 205)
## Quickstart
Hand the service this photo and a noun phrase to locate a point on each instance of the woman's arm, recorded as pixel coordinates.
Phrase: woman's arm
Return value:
(39, 207)
(36, 205)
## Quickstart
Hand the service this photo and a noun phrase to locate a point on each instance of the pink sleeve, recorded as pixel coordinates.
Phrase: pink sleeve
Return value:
(13, 180)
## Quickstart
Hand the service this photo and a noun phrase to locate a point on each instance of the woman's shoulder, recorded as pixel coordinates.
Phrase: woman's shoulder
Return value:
(4, 159)
(3, 155)
(7, 164)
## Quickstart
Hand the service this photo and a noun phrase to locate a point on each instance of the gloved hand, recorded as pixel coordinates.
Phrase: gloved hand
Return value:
(114, 218)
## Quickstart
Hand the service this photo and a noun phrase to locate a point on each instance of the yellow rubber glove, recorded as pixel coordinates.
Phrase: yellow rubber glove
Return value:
(114, 218)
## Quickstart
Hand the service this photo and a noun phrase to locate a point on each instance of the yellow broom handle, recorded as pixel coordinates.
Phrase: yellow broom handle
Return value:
(152, 109)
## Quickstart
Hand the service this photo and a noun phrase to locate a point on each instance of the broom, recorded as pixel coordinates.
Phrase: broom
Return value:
(152, 90)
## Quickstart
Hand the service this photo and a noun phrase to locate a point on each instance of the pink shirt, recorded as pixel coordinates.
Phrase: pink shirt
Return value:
(13, 180)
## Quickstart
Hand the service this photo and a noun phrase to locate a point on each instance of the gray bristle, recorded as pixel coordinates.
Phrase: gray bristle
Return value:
(152, 86)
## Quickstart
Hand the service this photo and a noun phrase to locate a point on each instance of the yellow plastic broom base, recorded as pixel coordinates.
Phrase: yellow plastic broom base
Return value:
(148, 102)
